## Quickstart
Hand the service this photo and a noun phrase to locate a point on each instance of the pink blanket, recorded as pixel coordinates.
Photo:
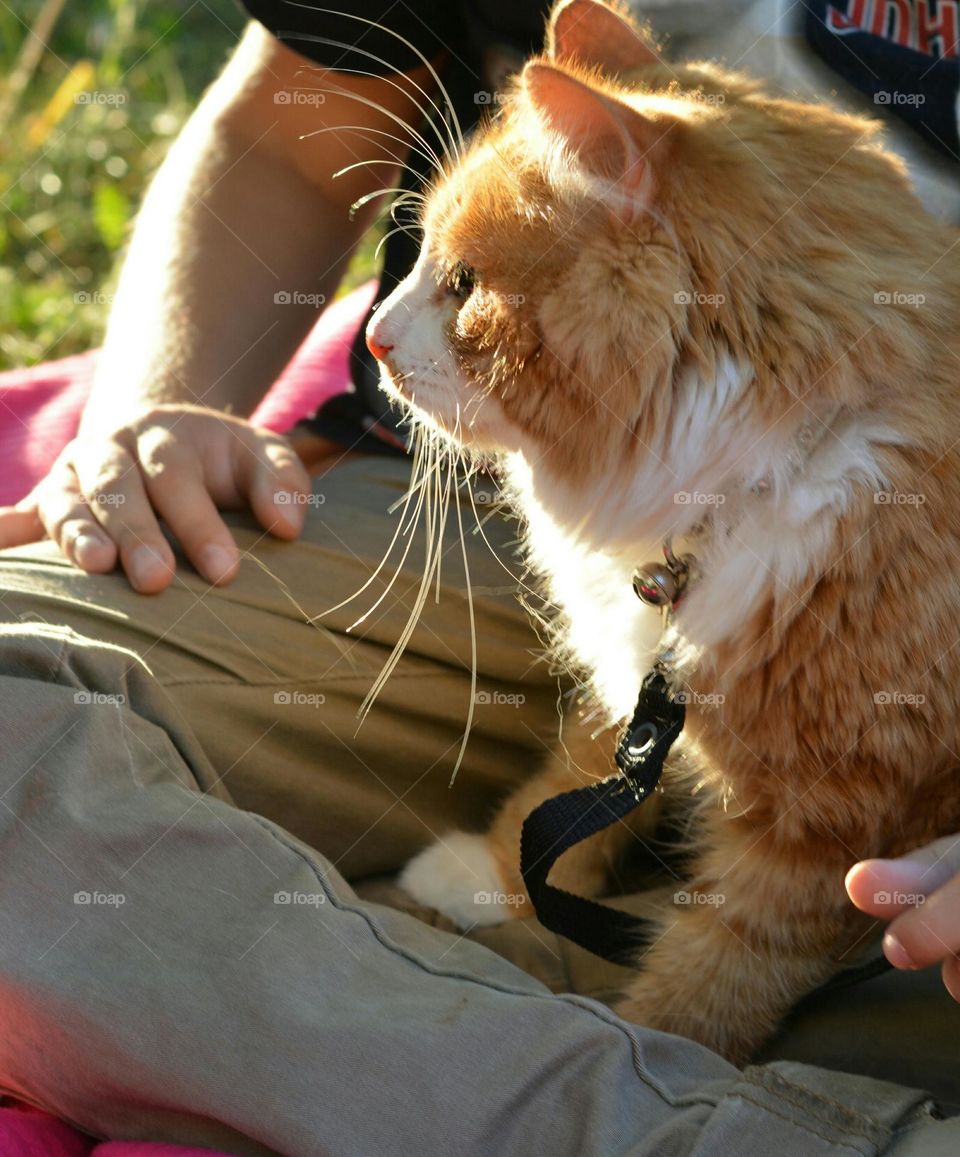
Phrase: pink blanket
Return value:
(39, 411)
(40, 407)
(30, 1133)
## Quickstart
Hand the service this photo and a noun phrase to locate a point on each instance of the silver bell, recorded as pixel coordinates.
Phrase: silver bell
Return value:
(656, 584)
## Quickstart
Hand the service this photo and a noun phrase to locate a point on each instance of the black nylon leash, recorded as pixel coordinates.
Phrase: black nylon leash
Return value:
(567, 819)
(559, 823)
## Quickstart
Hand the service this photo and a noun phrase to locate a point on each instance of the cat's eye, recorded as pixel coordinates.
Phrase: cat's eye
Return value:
(461, 281)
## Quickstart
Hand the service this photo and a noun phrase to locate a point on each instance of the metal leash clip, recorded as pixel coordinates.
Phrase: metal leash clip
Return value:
(662, 584)
(657, 717)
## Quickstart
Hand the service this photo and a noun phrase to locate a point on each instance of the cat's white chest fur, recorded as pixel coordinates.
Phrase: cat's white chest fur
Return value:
(760, 541)
(604, 627)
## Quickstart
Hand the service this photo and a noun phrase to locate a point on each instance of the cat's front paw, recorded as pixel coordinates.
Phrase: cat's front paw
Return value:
(458, 877)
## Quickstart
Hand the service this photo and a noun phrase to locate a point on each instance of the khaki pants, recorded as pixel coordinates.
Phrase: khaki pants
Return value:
(185, 796)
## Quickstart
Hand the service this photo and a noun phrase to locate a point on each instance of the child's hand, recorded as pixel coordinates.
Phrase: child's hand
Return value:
(920, 895)
(104, 495)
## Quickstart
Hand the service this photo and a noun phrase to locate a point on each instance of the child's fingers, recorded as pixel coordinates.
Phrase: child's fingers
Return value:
(19, 525)
(180, 495)
(920, 894)
(927, 933)
(278, 487)
(939, 862)
(951, 976)
(887, 887)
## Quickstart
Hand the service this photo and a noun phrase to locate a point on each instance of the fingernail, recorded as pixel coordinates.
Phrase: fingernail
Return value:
(86, 544)
(288, 503)
(292, 513)
(145, 562)
(217, 562)
(895, 952)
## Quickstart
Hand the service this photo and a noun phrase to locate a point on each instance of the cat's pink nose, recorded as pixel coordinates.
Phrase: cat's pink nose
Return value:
(379, 351)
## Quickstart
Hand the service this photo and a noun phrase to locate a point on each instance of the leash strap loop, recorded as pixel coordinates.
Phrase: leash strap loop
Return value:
(567, 819)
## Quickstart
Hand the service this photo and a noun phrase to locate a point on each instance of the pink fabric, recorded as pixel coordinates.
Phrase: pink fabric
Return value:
(26, 1132)
(40, 406)
(39, 412)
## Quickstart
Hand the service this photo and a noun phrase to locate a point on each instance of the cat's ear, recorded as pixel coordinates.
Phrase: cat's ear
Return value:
(590, 33)
(610, 140)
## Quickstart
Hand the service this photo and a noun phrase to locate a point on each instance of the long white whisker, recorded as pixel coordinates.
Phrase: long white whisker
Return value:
(363, 164)
(310, 620)
(454, 466)
(406, 43)
(404, 637)
(396, 118)
(438, 485)
(447, 143)
(386, 237)
(372, 196)
(479, 530)
(415, 199)
(419, 485)
(399, 567)
(443, 499)
(406, 500)
(360, 130)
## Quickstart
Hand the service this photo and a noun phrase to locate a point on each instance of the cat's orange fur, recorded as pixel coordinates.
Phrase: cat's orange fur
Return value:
(642, 232)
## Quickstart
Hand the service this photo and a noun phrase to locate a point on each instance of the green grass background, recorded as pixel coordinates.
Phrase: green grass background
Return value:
(73, 168)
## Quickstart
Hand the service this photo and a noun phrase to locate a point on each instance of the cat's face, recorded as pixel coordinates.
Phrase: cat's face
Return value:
(637, 262)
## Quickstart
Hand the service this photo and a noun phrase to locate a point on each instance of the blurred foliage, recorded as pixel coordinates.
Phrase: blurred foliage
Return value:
(106, 91)
(91, 96)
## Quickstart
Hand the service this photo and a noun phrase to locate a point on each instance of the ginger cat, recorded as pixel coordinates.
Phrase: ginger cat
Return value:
(665, 304)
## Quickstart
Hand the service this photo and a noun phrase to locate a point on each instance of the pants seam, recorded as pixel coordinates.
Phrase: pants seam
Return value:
(807, 1126)
(779, 1085)
(433, 970)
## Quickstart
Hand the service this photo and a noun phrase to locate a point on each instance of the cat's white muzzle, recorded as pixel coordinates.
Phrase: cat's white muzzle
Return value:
(407, 336)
